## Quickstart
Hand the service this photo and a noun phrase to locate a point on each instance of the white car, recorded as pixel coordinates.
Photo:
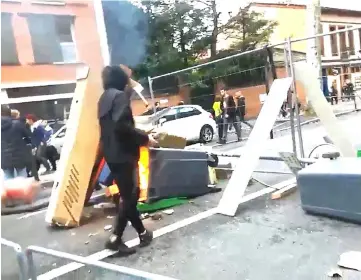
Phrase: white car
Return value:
(189, 121)
(57, 139)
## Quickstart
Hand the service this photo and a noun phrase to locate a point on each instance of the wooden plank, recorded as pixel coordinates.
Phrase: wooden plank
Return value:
(284, 191)
(284, 184)
(237, 184)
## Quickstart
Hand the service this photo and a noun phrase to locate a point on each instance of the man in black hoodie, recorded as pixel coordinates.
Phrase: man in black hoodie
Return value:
(121, 142)
(14, 139)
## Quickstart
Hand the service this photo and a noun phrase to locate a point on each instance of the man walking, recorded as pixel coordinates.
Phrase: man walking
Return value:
(121, 142)
(229, 116)
(241, 110)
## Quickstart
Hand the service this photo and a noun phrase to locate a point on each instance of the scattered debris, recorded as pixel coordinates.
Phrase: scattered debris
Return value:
(54, 264)
(108, 227)
(86, 242)
(168, 211)
(144, 216)
(73, 233)
(351, 259)
(110, 217)
(104, 205)
(156, 216)
(335, 272)
(92, 234)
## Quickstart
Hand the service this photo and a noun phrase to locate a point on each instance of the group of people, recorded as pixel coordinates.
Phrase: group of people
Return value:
(229, 111)
(24, 145)
(347, 91)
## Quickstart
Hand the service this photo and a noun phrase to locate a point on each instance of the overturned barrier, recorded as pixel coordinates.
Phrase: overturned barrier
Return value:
(20, 256)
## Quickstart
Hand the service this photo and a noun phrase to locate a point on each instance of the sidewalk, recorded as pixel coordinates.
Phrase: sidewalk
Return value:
(312, 135)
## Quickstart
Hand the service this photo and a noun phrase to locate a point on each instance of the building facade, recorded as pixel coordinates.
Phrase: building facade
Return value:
(341, 53)
(42, 45)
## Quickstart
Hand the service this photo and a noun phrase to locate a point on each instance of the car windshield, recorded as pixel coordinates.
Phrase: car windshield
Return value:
(151, 111)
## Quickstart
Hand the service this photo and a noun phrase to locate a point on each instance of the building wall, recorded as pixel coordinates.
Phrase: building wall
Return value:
(291, 21)
(28, 71)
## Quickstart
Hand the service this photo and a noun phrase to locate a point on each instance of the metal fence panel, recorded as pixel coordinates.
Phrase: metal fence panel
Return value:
(20, 256)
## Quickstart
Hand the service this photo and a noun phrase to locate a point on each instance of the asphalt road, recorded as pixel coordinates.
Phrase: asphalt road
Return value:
(266, 240)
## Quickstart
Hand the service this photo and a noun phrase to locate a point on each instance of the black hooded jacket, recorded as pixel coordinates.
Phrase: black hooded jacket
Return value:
(120, 139)
(14, 139)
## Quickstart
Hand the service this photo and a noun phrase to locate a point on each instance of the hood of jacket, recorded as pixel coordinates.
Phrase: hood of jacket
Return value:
(114, 77)
(6, 123)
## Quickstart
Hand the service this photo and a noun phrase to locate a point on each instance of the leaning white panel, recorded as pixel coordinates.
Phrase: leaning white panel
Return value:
(256, 143)
(307, 76)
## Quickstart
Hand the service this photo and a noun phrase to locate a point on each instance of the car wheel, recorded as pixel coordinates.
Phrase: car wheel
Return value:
(206, 134)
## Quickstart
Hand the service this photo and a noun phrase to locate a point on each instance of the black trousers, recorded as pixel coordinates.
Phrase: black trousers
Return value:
(125, 175)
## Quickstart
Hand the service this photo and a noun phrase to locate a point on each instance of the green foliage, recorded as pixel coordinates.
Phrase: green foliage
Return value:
(182, 30)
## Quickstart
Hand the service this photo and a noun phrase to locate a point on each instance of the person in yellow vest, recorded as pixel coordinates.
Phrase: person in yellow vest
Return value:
(217, 113)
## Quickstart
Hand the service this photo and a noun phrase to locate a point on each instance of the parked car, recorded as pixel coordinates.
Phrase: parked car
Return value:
(57, 139)
(189, 121)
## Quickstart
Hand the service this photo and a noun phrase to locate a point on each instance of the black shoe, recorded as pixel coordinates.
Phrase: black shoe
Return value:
(116, 244)
(146, 238)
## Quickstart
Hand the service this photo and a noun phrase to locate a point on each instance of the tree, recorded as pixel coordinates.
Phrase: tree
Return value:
(248, 29)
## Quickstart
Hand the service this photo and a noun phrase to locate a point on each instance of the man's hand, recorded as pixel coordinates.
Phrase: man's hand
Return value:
(126, 69)
(152, 142)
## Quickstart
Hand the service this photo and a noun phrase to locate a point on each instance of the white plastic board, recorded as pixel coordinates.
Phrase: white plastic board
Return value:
(248, 162)
(308, 77)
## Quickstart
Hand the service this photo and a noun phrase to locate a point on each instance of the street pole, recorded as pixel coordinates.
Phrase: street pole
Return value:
(314, 27)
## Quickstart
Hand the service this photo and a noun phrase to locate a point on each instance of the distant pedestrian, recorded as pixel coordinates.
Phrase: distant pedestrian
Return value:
(38, 139)
(14, 139)
(334, 93)
(241, 110)
(217, 114)
(229, 116)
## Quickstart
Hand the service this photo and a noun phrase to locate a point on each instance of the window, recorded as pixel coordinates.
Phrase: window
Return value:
(351, 42)
(171, 115)
(9, 54)
(334, 43)
(187, 112)
(52, 38)
(343, 45)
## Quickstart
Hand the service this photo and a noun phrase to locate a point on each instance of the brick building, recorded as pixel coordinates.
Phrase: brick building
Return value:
(43, 42)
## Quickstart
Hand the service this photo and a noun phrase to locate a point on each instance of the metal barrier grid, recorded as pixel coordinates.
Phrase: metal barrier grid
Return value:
(20, 256)
(108, 267)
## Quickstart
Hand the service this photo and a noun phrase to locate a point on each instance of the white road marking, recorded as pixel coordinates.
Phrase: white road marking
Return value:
(57, 272)
(31, 214)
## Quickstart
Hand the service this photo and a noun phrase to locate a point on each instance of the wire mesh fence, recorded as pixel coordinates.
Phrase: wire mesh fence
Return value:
(250, 74)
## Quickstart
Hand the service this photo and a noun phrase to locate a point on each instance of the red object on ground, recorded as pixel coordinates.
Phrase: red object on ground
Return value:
(20, 188)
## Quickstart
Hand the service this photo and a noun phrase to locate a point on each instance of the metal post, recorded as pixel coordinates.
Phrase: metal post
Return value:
(290, 101)
(31, 265)
(150, 83)
(266, 83)
(295, 97)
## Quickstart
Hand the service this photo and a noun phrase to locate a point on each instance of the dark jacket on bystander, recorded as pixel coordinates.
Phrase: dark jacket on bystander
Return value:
(14, 139)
